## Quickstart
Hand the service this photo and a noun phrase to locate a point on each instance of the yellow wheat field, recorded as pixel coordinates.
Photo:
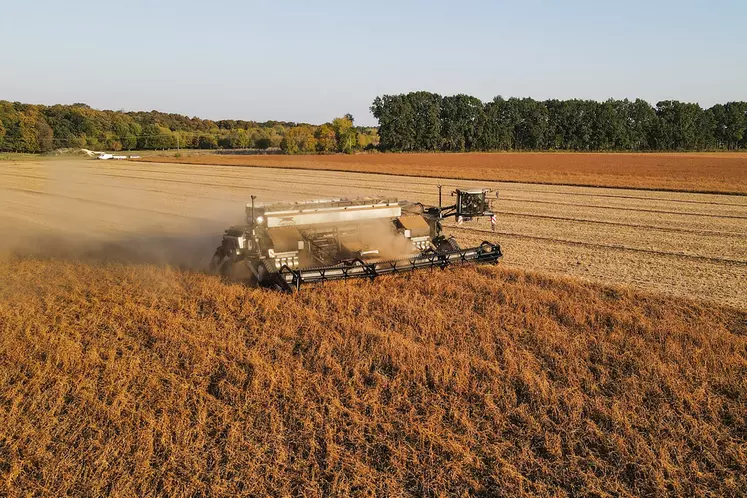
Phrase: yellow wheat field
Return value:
(143, 380)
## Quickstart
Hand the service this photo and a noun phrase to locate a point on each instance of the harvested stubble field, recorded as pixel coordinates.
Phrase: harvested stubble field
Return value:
(124, 371)
(692, 172)
(144, 380)
(678, 243)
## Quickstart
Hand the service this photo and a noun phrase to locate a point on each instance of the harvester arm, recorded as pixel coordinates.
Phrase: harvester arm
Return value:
(290, 279)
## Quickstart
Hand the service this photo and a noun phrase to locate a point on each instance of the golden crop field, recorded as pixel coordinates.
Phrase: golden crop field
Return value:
(691, 172)
(143, 380)
(605, 355)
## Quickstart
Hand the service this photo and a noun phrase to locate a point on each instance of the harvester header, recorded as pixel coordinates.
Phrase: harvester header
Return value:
(286, 244)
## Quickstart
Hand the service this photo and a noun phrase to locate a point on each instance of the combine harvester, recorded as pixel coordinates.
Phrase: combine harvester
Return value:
(287, 244)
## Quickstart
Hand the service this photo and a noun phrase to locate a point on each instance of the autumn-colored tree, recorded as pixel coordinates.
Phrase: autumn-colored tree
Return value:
(44, 135)
(346, 135)
(309, 144)
(299, 139)
(408, 122)
(289, 144)
(326, 138)
(26, 135)
(237, 139)
(368, 138)
(112, 142)
(341, 125)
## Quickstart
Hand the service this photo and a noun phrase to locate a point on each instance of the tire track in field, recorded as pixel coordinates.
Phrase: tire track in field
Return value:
(595, 245)
(254, 187)
(641, 210)
(426, 174)
(127, 206)
(307, 174)
(620, 224)
(647, 239)
(636, 197)
(103, 203)
(399, 189)
(509, 213)
(133, 187)
(201, 184)
(345, 185)
(328, 184)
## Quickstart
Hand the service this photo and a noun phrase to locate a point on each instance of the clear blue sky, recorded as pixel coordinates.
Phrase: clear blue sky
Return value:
(312, 61)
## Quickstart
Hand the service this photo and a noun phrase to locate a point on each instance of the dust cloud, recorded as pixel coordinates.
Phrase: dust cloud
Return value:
(389, 243)
(84, 211)
(186, 250)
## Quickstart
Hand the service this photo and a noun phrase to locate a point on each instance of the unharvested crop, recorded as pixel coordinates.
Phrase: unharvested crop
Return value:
(695, 172)
(144, 380)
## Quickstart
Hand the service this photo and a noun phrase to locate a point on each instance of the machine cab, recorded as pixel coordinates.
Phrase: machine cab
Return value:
(472, 203)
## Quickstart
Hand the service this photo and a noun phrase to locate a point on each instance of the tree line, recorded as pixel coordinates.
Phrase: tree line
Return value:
(424, 121)
(38, 128)
(417, 121)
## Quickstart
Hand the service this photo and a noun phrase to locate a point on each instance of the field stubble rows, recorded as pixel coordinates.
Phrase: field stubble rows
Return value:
(690, 172)
(679, 243)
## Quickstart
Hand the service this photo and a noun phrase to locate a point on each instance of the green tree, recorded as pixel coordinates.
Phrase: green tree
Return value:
(494, 129)
(344, 133)
(44, 135)
(241, 139)
(348, 141)
(128, 135)
(407, 122)
(111, 142)
(260, 138)
(730, 121)
(238, 138)
(396, 122)
(207, 141)
(530, 123)
(426, 108)
(678, 125)
(148, 138)
(608, 125)
(642, 125)
(460, 117)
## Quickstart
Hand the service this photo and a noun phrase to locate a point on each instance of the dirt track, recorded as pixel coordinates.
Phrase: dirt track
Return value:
(683, 244)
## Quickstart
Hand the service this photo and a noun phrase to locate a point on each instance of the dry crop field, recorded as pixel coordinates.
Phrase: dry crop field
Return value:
(141, 380)
(684, 244)
(691, 172)
(124, 371)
